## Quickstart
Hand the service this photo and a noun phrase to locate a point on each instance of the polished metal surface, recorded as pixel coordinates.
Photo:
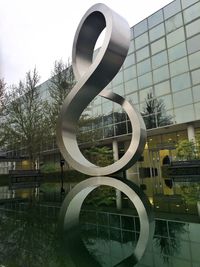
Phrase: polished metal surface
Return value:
(69, 220)
(92, 78)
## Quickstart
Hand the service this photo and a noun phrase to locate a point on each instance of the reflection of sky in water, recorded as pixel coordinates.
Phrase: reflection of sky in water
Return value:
(28, 237)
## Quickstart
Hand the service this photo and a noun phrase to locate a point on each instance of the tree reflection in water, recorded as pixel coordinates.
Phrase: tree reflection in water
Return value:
(168, 238)
(28, 238)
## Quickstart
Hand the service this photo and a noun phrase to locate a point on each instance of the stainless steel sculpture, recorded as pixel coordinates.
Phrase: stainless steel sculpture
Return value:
(92, 78)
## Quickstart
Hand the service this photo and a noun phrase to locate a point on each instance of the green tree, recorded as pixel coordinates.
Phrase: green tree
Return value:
(2, 103)
(24, 123)
(197, 143)
(2, 92)
(61, 82)
(186, 150)
(101, 156)
(154, 112)
(89, 129)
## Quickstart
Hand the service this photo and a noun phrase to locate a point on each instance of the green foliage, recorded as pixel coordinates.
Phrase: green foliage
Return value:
(186, 150)
(169, 247)
(102, 196)
(191, 193)
(198, 144)
(51, 177)
(101, 156)
(23, 121)
(85, 133)
(2, 92)
(49, 167)
(59, 85)
(68, 176)
(154, 112)
(4, 179)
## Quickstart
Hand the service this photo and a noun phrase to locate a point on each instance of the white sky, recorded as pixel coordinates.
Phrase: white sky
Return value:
(38, 32)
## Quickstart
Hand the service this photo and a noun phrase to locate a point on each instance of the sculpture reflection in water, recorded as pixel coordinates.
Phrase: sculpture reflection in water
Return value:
(92, 77)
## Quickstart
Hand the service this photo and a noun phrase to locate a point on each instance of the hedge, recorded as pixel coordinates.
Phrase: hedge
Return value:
(68, 176)
(4, 179)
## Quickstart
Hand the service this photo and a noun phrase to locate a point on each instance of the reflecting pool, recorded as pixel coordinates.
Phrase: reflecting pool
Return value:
(29, 236)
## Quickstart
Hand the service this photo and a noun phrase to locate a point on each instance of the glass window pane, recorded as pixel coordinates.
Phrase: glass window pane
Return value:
(140, 28)
(119, 89)
(172, 8)
(174, 23)
(193, 44)
(109, 86)
(131, 86)
(193, 28)
(142, 40)
(179, 66)
(150, 120)
(118, 108)
(162, 88)
(161, 74)
(159, 59)
(196, 93)
(191, 13)
(133, 98)
(155, 19)
(118, 79)
(167, 100)
(177, 51)
(108, 119)
(182, 98)
(194, 60)
(157, 32)
(97, 100)
(109, 131)
(184, 114)
(131, 47)
(196, 76)
(120, 128)
(143, 67)
(144, 93)
(145, 80)
(180, 82)
(158, 46)
(142, 53)
(131, 33)
(130, 60)
(165, 117)
(197, 110)
(107, 107)
(119, 116)
(97, 111)
(186, 3)
(130, 73)
(97, 122)
(175, 37)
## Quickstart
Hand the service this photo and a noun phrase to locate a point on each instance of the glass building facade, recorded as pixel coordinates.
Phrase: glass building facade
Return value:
(160, 75)
(161, 78)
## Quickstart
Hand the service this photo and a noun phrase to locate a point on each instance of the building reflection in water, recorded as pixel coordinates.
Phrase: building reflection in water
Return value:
(29, 237)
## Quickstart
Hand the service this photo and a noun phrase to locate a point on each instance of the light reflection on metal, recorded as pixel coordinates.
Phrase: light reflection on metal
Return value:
(92, 78)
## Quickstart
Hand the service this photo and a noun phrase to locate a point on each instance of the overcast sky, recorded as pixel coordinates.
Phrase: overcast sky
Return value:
(35, 33)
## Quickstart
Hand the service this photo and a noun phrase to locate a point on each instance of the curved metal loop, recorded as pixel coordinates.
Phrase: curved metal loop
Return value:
(92, 78)
(69, 220)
